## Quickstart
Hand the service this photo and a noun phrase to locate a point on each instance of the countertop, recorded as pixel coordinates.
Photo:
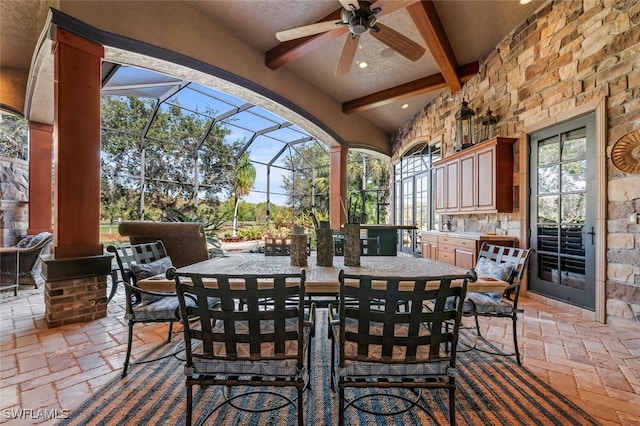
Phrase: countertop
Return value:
(471, 235)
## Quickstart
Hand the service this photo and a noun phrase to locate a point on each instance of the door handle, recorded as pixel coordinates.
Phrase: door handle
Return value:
(592, 233)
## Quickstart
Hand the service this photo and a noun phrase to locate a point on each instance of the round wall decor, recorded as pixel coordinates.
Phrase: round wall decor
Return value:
(625, 153)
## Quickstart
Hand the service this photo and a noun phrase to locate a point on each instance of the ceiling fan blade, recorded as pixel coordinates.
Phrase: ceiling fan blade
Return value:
(307, 30)
(347, 56)
(350, 4)
(401, 44)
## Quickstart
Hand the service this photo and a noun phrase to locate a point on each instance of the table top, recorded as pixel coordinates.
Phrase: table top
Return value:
(322, 279)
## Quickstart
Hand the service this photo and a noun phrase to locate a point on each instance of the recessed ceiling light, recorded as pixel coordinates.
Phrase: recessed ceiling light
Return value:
(525, 1)
(363, 64)
(386, 52)
(405, 106)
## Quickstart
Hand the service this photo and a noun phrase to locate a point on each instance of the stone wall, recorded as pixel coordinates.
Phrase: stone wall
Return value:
(567, 54)
(14, 196)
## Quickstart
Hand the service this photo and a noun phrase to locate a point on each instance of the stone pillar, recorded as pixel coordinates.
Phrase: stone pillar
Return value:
(338, 186)
(40, 160)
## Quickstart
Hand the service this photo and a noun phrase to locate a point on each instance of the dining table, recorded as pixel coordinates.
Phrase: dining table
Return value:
(323, 280)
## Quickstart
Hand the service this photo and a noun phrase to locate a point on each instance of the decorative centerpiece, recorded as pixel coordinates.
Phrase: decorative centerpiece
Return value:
(352, 237)
(298, 246)
(324, 238)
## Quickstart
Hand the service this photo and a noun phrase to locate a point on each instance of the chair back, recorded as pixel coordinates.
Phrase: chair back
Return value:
(519, 257)
(375, 331)
(255, 332)
(135, 254)
(185, 242)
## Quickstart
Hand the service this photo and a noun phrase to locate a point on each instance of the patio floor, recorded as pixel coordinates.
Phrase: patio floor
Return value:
(596, 366)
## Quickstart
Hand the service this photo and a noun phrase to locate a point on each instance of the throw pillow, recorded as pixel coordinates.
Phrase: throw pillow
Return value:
(489, 268)
(24, 243)
(147, 270)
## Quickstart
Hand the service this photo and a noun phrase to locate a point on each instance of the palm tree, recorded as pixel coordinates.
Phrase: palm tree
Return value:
(244, 179)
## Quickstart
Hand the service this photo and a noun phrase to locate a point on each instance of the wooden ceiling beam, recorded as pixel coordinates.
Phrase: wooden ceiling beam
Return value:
(428, 22)
(406, 90)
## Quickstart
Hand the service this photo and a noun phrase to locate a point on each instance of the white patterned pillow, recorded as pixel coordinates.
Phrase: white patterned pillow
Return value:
(491, 269)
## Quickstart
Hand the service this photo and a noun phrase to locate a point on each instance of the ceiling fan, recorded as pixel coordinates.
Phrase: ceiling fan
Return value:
(360, 16)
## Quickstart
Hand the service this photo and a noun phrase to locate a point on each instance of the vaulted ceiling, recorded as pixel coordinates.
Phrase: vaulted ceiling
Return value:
(456, 34)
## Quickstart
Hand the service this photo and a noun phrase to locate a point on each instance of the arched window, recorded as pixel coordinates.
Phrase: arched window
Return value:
(413, 193)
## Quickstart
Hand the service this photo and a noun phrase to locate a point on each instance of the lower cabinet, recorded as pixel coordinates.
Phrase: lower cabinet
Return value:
(459, 249)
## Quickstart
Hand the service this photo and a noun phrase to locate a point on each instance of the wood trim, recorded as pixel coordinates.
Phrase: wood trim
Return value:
(601, 210)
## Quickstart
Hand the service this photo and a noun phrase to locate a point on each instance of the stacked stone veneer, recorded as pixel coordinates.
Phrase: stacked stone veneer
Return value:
(14, 194)
(75, 300)
(567, 54)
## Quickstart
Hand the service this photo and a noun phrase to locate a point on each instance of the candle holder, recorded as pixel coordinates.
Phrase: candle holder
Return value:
(351, 244)
(298, 247)
(324, 239)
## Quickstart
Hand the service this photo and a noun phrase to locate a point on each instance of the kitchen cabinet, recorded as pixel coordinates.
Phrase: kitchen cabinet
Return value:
(476, 180)
(460, 248)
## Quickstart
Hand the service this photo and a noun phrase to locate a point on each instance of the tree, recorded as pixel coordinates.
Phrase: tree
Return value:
(309, 165)
(169, 156)
(14, 137)
(368, 182)
(245, 176)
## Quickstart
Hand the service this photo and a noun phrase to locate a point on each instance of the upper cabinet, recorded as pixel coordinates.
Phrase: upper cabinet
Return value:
(476, 180)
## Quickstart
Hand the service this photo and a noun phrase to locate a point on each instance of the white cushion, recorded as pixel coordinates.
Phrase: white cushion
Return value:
(489, 268)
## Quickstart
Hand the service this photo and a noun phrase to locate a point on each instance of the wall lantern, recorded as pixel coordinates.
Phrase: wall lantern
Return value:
(464, 127)
(488, 126)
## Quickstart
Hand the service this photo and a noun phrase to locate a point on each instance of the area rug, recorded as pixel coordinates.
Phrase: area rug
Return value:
(492, 390)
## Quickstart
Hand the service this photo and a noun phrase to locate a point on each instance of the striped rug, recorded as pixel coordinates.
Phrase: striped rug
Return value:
(491, 391)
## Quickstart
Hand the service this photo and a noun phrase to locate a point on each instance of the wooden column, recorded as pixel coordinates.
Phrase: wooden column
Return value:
(77, 74)
(40, 161)
(338, 188)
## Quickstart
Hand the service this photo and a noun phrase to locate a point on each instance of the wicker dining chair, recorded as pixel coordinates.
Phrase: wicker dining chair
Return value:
(376, 346)
(508, 264)
(256, 345)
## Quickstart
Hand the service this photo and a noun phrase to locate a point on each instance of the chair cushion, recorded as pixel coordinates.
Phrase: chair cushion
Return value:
(489, 268)
(147, 270)
(243, 365)
(165, 308)
(377, 369)
(485, 303)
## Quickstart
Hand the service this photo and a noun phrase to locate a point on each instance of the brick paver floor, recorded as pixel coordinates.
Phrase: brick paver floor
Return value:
(47, 371)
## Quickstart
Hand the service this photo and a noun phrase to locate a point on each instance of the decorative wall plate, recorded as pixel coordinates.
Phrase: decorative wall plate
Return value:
(626, 152)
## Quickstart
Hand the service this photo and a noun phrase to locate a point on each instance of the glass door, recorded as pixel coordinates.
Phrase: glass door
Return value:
(563, 211)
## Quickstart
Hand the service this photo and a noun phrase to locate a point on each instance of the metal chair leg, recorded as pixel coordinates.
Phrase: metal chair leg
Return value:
(189, 402)
(129, 342)
(300, 406)
(516, 350)
(340, 405)
(477, 325)
(170, 331)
